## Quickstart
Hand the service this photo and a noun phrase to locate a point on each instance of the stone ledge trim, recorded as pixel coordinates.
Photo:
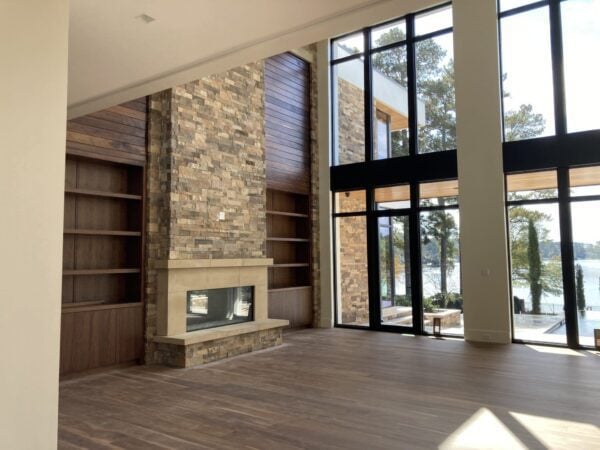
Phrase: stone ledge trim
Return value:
(211, 334)
(208, 263)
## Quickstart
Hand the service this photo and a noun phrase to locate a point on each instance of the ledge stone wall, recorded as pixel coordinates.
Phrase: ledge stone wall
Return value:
(351, 119)
(207, 160)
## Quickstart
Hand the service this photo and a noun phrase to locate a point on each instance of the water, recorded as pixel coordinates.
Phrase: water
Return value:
(550, 303)
(591, 287)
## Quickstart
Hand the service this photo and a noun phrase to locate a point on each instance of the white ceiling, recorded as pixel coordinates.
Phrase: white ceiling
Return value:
(114, 56)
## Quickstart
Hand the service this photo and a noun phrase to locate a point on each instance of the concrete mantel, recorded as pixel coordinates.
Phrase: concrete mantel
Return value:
(175, 277)
(212, 263)
(181, 348)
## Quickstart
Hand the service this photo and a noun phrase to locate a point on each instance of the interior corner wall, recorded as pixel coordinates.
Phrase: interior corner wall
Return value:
(33, 105)
(483, 241)
(326, 317)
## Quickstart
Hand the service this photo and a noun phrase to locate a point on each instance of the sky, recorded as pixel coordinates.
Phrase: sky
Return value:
(527, 63)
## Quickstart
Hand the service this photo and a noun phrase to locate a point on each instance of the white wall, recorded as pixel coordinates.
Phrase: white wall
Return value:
(484, 259)
(324, 143)
(33, 99)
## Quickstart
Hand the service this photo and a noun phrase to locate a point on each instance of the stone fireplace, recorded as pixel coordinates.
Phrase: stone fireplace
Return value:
(210, 309)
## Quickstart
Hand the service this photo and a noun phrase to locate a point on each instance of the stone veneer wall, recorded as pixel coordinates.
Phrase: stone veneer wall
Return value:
(352, 274)
(158, 186)
(351, 119)
(206, 352)
(218, 165)
(207, 156)
(314, 201)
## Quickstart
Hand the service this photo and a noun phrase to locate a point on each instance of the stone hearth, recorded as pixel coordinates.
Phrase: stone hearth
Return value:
(177, 347)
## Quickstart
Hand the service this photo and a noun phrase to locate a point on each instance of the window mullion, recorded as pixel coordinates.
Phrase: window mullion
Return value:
(412, 85)
(558, 72)
(368, 96)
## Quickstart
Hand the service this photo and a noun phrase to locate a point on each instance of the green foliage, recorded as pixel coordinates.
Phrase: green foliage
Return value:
(435, 87)
(439, 227)
(579, 288)
(535, 267)
(428, 305)
(452, 300)
(527, 235)
(402, 300)
(523, 124)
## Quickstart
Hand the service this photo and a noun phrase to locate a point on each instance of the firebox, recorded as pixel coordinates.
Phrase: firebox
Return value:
(210, 308)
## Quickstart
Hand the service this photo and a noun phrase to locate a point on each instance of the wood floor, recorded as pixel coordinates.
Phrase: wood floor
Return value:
(345, 389)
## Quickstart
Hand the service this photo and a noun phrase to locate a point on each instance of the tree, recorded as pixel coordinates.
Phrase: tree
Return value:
(528, 233)
(579, 288)
(523, 124)
(440, 227)
(535, 268)
(435, 87)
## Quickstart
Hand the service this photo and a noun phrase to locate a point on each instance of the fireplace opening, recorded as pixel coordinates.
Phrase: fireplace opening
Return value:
(211, 308)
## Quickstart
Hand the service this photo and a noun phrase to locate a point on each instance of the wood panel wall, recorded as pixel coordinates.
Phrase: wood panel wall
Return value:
(115, 134)
(103, 252)
(288, 161)
(287, 123)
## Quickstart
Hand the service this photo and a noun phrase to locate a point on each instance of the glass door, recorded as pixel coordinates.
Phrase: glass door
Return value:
(395, 294)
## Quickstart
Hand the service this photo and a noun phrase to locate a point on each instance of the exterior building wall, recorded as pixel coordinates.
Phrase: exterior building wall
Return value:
(352, 273)
(350, 120)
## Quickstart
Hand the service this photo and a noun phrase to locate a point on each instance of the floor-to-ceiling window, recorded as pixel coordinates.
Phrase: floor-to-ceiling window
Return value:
(551, 142)
(394, 141)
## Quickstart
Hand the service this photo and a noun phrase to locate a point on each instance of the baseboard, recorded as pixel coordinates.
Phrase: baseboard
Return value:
(491, 336)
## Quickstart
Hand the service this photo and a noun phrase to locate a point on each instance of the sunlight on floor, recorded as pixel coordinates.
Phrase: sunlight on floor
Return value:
(552, 431)
(555, 350)
(483, 430)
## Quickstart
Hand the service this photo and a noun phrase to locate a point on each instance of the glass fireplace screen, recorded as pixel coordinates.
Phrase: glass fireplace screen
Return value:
(211, 308)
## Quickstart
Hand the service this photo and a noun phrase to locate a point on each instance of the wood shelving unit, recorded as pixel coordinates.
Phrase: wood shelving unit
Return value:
(102, 321)
(288, 243)
(103, 234)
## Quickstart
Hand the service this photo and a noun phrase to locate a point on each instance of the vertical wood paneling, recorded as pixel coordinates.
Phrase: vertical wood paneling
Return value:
(288, 164)
(287, 123)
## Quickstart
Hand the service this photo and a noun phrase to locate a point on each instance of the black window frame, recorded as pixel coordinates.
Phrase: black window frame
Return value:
(561, 152)
(412, 169)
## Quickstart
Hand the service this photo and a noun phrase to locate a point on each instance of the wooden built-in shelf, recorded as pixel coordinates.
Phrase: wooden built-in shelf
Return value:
(282, 239)
(100, 271)
(103, 239)
(291, 265)
(95, 193)
(103, 232)
(98, 306)
(290, 288)
(288, 214)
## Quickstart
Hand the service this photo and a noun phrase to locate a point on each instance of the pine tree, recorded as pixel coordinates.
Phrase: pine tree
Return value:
(579, 291)
(535, 268)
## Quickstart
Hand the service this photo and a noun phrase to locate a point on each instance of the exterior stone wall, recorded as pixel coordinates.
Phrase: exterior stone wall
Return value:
(352, 273)
(206, 352)
(350, 132)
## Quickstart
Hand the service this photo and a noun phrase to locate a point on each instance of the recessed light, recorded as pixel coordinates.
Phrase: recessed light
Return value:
(146, 18)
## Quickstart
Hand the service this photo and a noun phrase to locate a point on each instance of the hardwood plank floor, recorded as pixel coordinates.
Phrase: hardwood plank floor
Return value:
(345, 389)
